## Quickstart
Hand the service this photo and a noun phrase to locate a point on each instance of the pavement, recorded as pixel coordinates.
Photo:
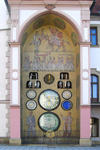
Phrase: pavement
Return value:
(28, 147)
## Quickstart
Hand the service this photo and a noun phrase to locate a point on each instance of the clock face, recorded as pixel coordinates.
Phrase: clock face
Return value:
(31, 105)
(49, 121)
(49, 79)
(31, 94)
(66, 94)
(49, 100)
(67, 105)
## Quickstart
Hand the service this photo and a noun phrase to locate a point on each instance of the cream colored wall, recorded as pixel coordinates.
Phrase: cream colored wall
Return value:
(4, 83)
(4, 121)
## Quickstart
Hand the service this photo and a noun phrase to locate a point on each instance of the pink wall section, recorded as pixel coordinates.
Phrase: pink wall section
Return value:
(85, 122)
(15, 122)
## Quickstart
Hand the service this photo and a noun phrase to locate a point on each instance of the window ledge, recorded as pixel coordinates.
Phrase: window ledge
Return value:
(96, 46)
(95, 104)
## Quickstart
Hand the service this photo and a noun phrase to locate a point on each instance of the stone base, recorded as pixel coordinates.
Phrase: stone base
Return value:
(4, 140)
(85, 142)
(15, 141)
(95, 140)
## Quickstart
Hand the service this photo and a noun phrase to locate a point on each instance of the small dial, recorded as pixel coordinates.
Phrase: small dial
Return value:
(66, 94)
(31, 94)
(67, 105)
(49, 79)
(31, 105)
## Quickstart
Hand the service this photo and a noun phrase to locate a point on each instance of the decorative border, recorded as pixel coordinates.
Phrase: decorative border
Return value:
(45, 108)
(49, 113)
(34, 96)
(67, 101)
(66, 91)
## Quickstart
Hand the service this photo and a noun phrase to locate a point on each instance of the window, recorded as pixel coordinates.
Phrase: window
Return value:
(94, 127)
(94, 88)
(93, 35)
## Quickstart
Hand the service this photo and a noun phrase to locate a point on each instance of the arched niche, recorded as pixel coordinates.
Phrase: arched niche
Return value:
(50, 45)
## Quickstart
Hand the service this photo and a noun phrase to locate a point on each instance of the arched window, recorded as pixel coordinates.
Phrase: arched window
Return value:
(94, 127)
(94, 88)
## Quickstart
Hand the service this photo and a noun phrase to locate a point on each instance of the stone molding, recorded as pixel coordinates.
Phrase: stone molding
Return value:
(85, 15)
(50, 7)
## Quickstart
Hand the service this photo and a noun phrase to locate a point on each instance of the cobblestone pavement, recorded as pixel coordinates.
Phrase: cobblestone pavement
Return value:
(7, 147)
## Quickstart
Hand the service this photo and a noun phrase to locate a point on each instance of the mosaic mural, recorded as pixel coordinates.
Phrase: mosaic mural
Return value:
(67, 125)
(59, 23)
(31, 125)
(38, 23)
(51, 42)
(50, 47)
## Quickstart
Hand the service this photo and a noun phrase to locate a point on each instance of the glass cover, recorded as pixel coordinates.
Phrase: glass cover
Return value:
(49, 100)
(49, 121)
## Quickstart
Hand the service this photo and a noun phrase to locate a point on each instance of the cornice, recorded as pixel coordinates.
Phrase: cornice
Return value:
(14, 43)
(85, 43)
(59, 2)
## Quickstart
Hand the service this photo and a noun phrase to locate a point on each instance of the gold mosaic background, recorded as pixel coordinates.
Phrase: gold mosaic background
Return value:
(54, 31)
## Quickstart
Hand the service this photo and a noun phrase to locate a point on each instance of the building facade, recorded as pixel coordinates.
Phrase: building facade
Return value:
(95, 71)
(45, 92)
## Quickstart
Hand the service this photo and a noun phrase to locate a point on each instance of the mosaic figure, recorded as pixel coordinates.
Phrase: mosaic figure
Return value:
(71, 66)
(60, 84)
(31, 125)
(37, 39)
(30, 84)
(38, 84)
(69, 63)
(60, 64)
(53, 64)
(67, 125)
(27, 65)
(37, 63)
(56, 39)
(49, 65)
(43, 64)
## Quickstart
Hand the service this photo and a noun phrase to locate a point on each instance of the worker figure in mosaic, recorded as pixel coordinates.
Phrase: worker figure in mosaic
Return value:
(67, 125)
(31, 125)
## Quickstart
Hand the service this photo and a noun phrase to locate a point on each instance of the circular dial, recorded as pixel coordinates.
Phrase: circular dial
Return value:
(66, 94)
(49, 100)
(31, 105)
(31, 94)
(49, 121)
(49, 79)
(67, 105)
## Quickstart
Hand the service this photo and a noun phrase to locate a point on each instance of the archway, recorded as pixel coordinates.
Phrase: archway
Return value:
(50, 75)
